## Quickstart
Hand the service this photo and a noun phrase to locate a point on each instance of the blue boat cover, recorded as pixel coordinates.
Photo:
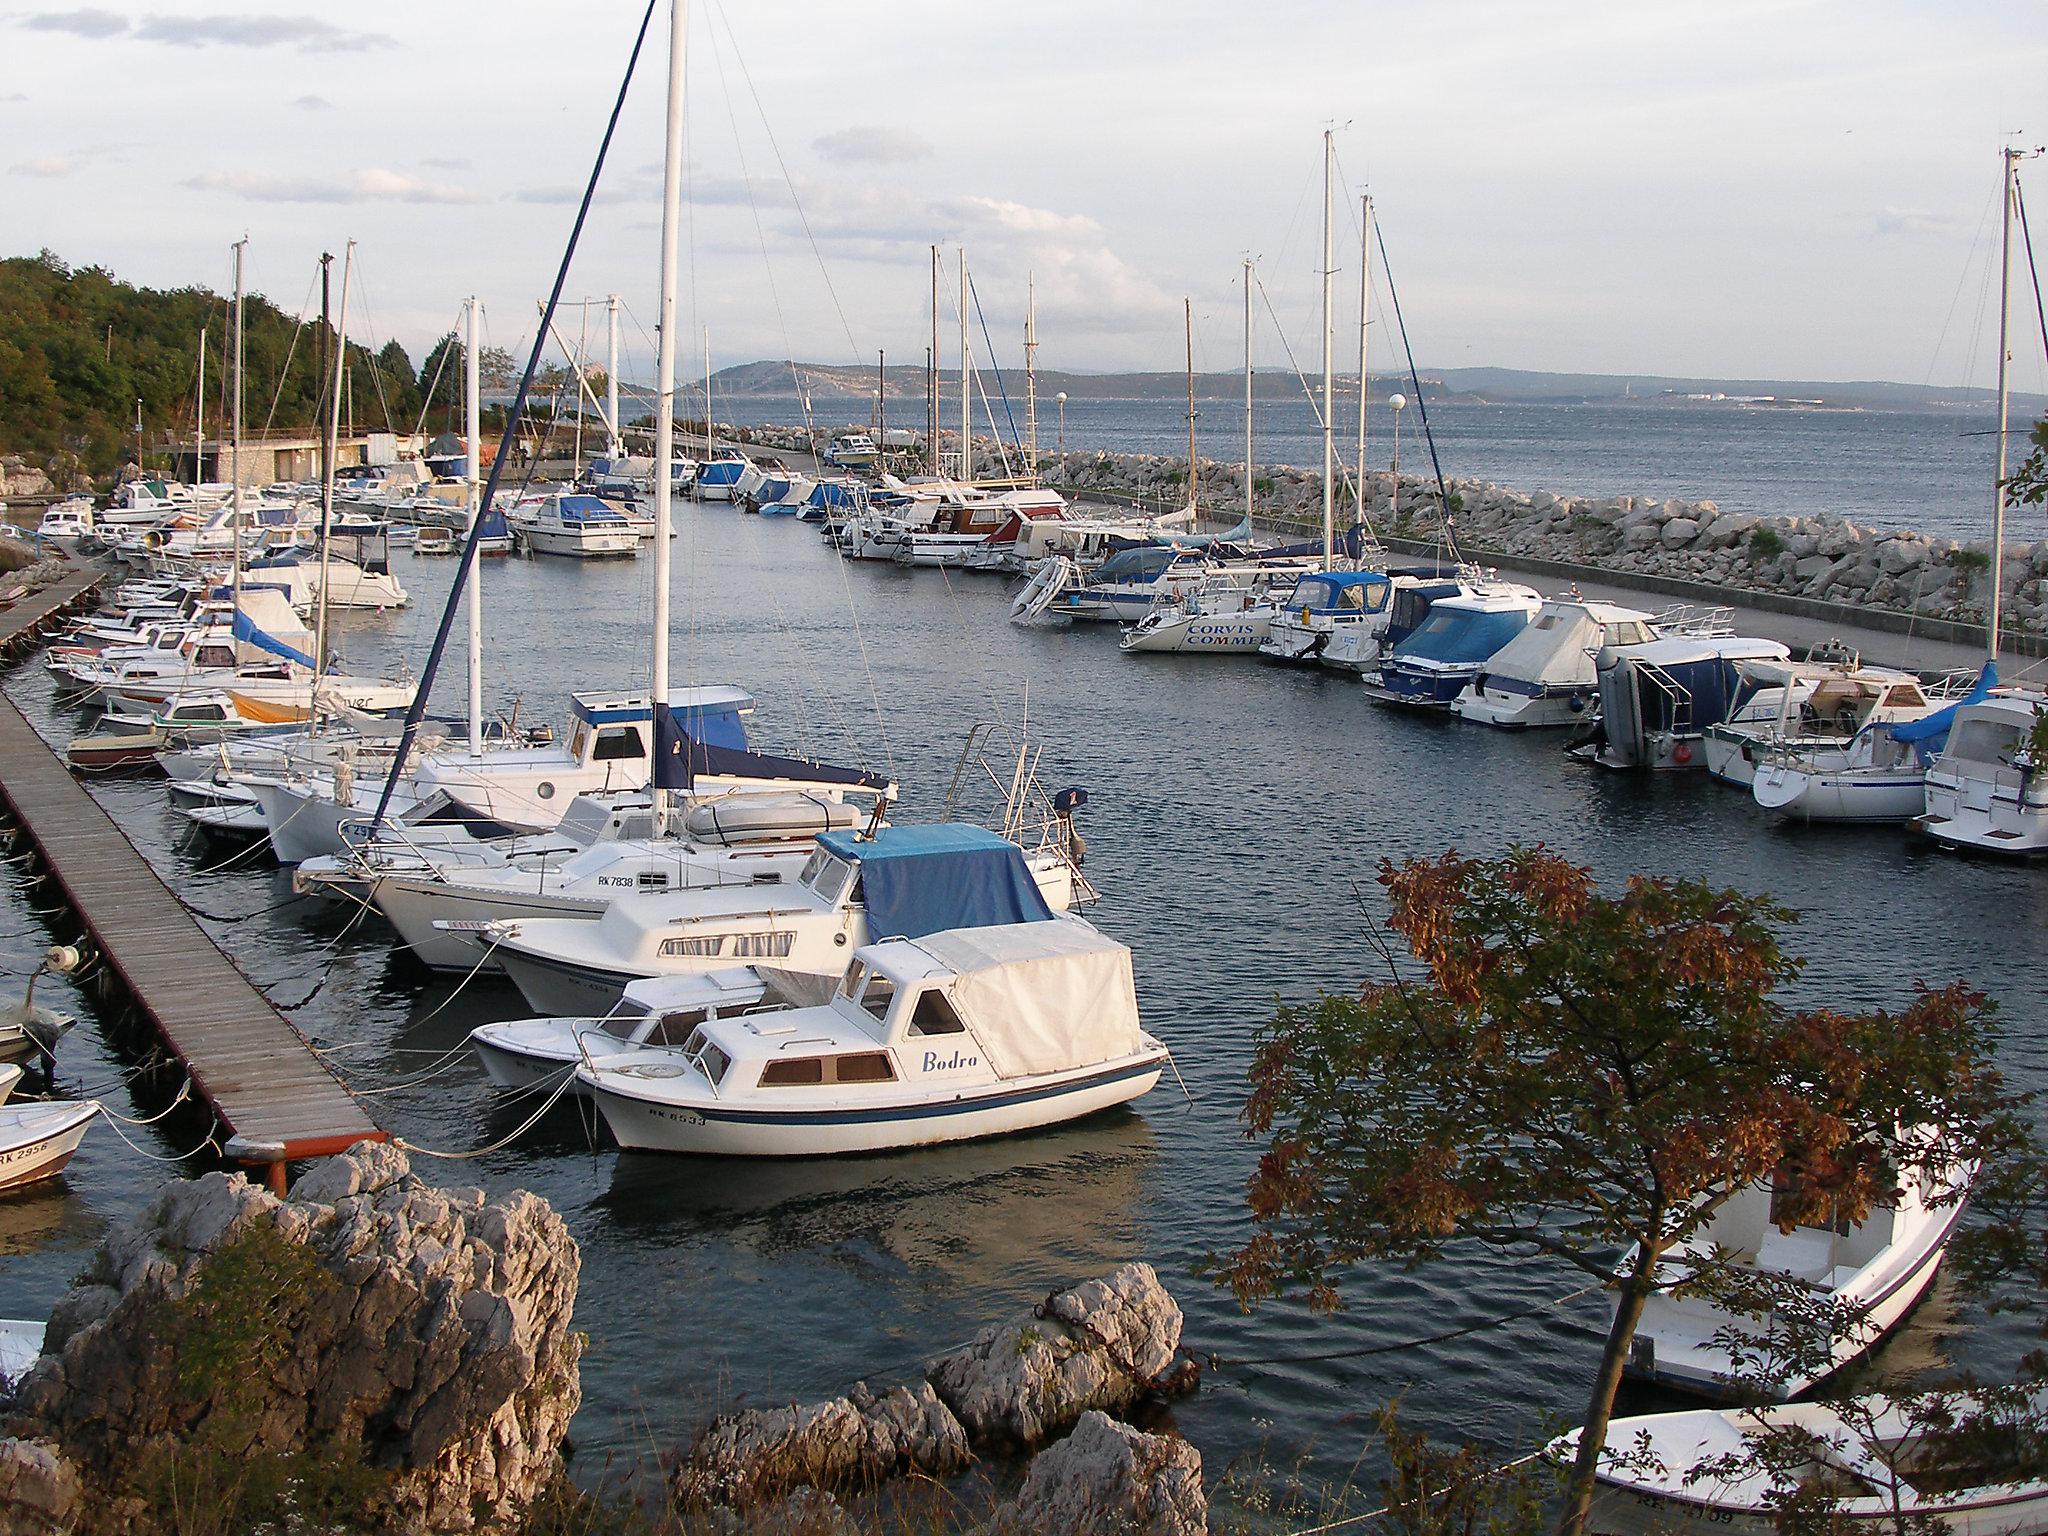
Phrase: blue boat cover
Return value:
(1332, 592)
(680, 754)
(1934, 728)
(1461, 635)
(920, 880)
(494, 525)
(588, 509)
(246, 631)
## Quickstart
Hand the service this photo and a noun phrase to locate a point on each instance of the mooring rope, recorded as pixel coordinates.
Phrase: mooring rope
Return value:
(568, 1081)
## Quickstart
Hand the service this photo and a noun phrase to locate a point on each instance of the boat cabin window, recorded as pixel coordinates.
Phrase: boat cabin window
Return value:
(762, 946)
(653, 879)
(863, 1067)
(815, 1071)
(1629, 632)
(934, 1014)
(877, 995)
(1904, 696)
(707, 946)
(825, 876)
(214, 656)
(1989, 741)
(618, 741)
(714, 1062)
(799, 1071)
(677, 1024)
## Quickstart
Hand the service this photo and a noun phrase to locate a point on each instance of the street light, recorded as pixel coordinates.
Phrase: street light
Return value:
(1399, 403)
(1062, 398)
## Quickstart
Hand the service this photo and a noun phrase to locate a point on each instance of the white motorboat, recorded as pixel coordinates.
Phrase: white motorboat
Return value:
(1224, 616)
(658, 1012)
(1657, 700)
(348, 585)
(719, 473)
(953, 1035)
(1987, 792)
(1356, 642)
(29, 1032)
(37, 1140)
(1707, 1472)
(67, 522)
(902, 881)
(1816, 704)
(1322, 604)
(1429, 668)
(1545, 675)
(1876, 1269)
(580, 527)
(10, 1079)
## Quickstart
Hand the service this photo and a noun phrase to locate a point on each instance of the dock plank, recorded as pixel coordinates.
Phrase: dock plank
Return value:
(247, 1061)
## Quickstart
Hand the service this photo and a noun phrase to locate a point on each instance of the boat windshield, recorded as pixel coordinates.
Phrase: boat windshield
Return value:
(1988, 742)
(825, 876)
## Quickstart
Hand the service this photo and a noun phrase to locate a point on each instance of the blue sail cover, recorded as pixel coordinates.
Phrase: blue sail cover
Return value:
(681, 753)
(920, 880)
(494, 525)
(246, 631)
(1933, 729)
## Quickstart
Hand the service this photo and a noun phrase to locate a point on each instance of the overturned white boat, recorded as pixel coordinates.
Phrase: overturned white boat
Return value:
(958, 1034)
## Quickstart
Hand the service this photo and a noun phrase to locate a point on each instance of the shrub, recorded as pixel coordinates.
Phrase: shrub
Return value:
(1765, 544)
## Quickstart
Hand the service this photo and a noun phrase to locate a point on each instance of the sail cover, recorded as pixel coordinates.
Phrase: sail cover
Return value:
(247, 631)
(1934, 728)
(1042, 997)
(680, 755)
(920, 880)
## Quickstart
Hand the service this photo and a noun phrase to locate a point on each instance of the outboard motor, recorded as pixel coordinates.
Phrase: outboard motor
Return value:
(1064, 804)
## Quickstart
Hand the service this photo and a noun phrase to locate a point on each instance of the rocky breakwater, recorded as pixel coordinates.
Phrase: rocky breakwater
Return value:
(367, 1354)
(1821, 557)
(1078, 1357)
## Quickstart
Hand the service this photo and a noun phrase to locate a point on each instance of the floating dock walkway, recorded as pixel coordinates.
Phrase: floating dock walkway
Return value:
(276, 1100)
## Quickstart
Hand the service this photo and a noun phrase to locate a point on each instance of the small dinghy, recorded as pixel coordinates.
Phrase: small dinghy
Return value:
(37, 1140)
(10, 1077)
(1731, 1471)
(962, 1033)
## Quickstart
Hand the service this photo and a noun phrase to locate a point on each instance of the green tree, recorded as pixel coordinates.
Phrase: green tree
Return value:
(1589, 1078)
(2028, 484)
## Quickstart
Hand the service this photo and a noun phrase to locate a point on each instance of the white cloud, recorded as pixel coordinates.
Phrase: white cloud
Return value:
(81, 23)
(305, 33)
(50, 167)
(371, 185)
(313, 104)
(870, 144)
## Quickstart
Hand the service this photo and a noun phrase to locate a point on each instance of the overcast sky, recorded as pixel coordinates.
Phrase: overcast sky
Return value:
(1733, 188)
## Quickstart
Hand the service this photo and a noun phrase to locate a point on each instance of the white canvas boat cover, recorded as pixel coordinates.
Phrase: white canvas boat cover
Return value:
(1041, 997)
(1555, 651)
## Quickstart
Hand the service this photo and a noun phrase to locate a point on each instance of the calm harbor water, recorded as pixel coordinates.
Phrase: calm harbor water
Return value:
(1930, 470)
(1236, 818)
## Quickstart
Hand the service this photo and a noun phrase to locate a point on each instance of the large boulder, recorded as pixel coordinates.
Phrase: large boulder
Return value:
(39, 1492)
(745, 1459)
(1108, 1479)
(425, 1331)
(1104, 1345)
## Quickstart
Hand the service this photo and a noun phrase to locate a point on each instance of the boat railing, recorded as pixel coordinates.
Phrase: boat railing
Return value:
(1031, 817)
(1688, 621)
(1677, 697)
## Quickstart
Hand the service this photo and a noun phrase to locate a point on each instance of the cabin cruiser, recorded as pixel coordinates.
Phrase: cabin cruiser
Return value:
(1430, 667)
(976, 528)
(899, 881)
(768, 482)
(1871, 1272)
(1811, 704)
(852, 450)
(945, 1036)
(1348, 641)
(1224, 615)
(67, 522)
(1657, 699)
(1877, 776)
(1545, 675)
(1988, 790)
(301, 575)
(719, 474)
(578, 526)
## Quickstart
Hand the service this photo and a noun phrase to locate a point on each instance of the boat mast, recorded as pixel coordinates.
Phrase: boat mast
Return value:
(1329, 418)
(1187, 311)
(1031, 367)
(1364, 313)
(2009, 171)
(616, 448)
(199, 420)
(1248, 490)
(665, 383)
(881, 402)
(326, 272)
(348, 262)
(933, 362)
(235, 452)
(473, 470)
(708, 446)
(966, 390)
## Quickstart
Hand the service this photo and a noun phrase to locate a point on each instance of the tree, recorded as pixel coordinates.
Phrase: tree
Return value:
(1590, 1078)
(2028, 484)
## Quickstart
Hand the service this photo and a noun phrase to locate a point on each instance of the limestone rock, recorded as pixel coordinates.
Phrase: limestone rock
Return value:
(744, 1459)
(39, 1492)
(1108, 1479)
(428, 1327)
(1100, 1345)
(1679, 532)
(1645, 535)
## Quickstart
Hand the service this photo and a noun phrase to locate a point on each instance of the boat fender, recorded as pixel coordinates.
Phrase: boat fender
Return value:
(1682, 753)
(1576, 703)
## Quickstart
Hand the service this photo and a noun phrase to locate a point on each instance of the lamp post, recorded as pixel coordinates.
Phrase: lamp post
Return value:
(1062, 398)
(1399, 403)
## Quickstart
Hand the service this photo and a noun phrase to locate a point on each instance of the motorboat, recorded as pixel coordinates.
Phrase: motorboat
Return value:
(432, 540)
(1348, 642)
(1987, 791)
(10, 1079)
(1877, 1460)
(1657, 699)
(653, 1013)
(67, 522)
(1869, 1272)
(948, 1036)
(1432, 666)
(1321, 604)
(1224, 616)
(852, 450)
(718, 475)
(976, 527)
(1814, 705)
(38, 1139)
(897, 882)
(1545, 675)
(574, 525)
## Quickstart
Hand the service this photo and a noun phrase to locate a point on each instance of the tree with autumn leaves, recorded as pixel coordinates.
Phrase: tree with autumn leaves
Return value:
(1557, 1072)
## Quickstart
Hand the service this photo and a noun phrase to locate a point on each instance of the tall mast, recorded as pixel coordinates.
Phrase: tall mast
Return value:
(665, 378)
(1364, 318)
(1187, 311)
(235, 452)
(473, 470)
(934, 363)
(1031, 368)
(881, 400)
(1329, 417)
(348, 262)
(1248, 492)
(708, 445)
(616, 448)
(966, 390)
(199, 419)
(320, 396)
(2009, 177)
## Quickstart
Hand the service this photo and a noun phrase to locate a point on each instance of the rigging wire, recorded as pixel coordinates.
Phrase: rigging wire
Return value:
(1421, 406)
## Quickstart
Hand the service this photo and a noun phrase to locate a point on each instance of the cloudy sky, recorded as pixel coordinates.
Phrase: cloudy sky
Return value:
(1730, 188)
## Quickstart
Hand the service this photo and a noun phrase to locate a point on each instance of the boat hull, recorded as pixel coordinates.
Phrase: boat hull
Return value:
(1816, 794)
(413, 906)
(1220, 634)
(37, 1140)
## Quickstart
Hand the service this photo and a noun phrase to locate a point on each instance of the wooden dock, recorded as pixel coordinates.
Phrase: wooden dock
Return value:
(276, 1099)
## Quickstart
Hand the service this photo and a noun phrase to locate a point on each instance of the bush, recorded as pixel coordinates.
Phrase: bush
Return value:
(1765, 544)
(1970, 559)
